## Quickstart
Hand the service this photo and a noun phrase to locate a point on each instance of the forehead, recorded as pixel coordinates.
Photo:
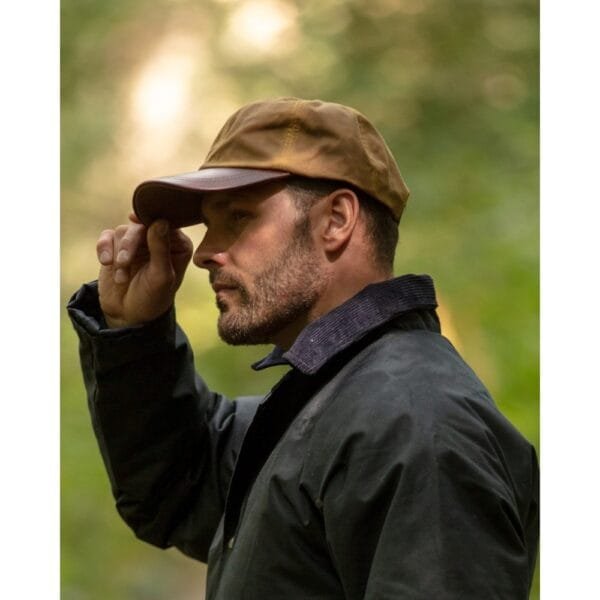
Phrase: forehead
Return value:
(251, 196)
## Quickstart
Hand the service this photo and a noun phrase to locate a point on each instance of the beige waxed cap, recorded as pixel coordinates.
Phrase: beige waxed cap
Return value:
(274, 139)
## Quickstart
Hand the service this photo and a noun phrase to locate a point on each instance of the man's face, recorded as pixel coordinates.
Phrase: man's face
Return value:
(262, 264)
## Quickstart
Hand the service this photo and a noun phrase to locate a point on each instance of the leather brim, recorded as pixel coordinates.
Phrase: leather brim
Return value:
(177, 198)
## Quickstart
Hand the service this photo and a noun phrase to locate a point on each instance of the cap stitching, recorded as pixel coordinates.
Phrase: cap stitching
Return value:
(292, 131)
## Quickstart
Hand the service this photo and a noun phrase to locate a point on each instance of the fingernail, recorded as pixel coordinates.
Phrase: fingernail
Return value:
(123, 256)
(105, 257)
(121, 276)
(162, 228)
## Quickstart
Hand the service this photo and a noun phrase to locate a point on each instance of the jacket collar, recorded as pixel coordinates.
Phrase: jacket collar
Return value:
(372, 307)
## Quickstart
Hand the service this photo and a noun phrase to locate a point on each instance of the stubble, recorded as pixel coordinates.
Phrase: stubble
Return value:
(282, 293)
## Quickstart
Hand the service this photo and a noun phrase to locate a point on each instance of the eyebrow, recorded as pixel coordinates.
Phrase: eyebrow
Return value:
(221, 204)
(216, 203)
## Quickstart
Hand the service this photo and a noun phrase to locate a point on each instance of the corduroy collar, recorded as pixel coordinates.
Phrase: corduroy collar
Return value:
(372, 307)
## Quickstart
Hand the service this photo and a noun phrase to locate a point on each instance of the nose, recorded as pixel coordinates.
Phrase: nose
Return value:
(209, 253)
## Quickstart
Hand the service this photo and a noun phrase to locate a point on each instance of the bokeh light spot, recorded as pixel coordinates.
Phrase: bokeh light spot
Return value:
(261, 27)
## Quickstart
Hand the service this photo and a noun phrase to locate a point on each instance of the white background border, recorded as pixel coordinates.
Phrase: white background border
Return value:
(29, 299)
(570, 295)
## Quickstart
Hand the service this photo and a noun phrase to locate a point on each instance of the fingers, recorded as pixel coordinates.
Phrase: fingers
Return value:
(164, 251)
(118, 247)
(159, 244)
(105, 247)
(130, 238)
(141, 271)
(182, 249)
(170, 253)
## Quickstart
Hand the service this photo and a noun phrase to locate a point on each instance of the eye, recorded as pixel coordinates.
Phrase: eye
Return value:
(238, 217)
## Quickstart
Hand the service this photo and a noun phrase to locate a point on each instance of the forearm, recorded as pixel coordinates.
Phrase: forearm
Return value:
(166, 440)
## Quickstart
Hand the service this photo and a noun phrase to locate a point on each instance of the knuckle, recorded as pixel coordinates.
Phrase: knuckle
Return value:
(105, 237)
(120, 231)
(132, 235)
(104, 245)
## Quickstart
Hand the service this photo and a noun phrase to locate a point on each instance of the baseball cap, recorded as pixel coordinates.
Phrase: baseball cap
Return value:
(275, 139)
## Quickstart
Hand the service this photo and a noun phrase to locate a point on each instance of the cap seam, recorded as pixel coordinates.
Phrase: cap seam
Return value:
(292, 130)
(372, 178)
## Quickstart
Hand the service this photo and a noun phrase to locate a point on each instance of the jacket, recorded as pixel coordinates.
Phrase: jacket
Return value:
(377, 468)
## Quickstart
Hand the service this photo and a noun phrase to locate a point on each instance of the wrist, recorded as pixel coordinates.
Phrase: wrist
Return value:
(116, 323)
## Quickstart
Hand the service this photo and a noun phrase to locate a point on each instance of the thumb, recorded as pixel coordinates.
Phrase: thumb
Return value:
(160, 267)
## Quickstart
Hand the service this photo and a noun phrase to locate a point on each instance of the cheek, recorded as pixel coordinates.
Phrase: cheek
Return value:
(251, 253)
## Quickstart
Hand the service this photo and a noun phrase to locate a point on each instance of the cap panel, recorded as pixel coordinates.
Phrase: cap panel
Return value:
(313, 139)
(254, 138)
(386, 181)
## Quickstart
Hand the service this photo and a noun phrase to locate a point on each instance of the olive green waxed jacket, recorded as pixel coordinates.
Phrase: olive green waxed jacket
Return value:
(377, 468)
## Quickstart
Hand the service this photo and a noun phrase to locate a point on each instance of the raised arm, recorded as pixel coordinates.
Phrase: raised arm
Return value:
(168, 443)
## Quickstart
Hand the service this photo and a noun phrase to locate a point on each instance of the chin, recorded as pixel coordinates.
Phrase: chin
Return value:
(235, 333)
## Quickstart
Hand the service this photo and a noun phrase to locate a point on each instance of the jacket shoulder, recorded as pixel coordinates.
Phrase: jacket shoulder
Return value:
(410, 388)
(417, 373)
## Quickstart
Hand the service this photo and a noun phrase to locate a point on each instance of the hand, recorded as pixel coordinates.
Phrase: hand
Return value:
(141, 270)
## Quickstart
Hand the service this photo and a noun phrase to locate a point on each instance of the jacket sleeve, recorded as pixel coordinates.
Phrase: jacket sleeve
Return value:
(169, 444)
(420, 509)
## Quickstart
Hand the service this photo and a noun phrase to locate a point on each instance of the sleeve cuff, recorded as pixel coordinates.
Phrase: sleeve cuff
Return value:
(113, 347)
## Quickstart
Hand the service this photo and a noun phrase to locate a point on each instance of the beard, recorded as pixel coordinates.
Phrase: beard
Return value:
(283, 292)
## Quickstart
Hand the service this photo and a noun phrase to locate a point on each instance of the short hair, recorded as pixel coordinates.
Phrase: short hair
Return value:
(382, 226)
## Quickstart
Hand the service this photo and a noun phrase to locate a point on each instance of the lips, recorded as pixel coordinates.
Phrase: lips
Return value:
(223, 284)
(220, 281)
(219, 287)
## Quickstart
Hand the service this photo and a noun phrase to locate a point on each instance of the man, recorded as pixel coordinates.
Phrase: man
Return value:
(378, 467)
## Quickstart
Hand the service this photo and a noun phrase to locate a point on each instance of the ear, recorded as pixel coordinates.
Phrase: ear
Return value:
(339, 217)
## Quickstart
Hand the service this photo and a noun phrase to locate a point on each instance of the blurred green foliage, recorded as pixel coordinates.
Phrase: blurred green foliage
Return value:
(452, 85)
